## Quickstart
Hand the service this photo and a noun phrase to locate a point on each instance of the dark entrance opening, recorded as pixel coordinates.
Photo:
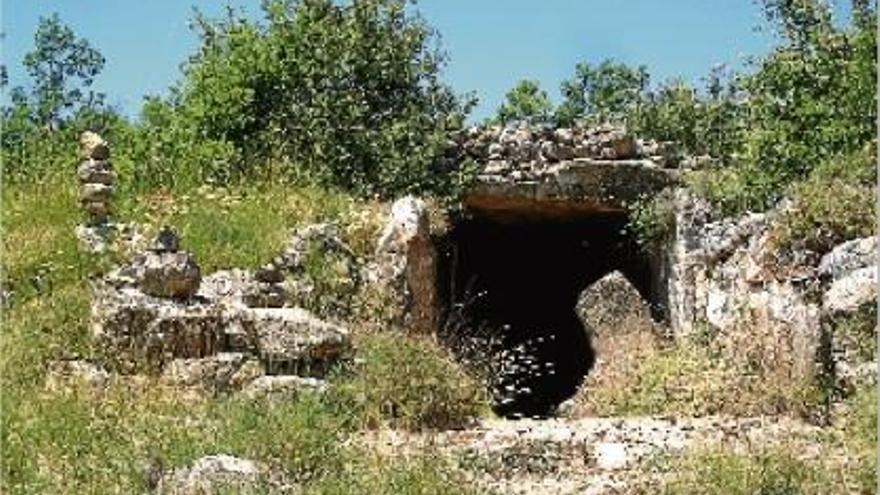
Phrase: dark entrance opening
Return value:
(513, 287)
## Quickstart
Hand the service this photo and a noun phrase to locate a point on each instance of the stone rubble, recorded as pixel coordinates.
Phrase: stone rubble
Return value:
(96, 177)
(152, 316)
(727, 273)
(591, 455)
(97, 181)
(533, 171)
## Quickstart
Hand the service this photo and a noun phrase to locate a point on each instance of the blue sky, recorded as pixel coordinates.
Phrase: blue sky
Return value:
(491, 43)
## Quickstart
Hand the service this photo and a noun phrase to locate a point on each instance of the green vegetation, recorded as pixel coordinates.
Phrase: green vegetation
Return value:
(78, 442)
(323, 107)
(526, 102)
(411, 383)
(699, 376)
(773, 471)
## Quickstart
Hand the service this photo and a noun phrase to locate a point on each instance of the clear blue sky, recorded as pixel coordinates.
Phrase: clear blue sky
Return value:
(491, 43)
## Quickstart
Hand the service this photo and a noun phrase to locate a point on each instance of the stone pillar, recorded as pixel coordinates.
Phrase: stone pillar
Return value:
(406, 265)
(96, 178)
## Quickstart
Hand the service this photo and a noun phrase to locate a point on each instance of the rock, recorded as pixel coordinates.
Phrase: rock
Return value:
(852, 291)
(612, 306)
(326, 273)
(96, 193)
(266, 296)
(139, 332)
(99, 210)
(168, 274)
(848, 257)
(269, 274)
(405, 265)
(93, 146)
(222, 372)
(166, 241)
(228, 288)
(564, 136)
(293, 341)
(496, 151)
(98, 172)
(74, 374)
(219, 474)
(549, 151)
(281, 388)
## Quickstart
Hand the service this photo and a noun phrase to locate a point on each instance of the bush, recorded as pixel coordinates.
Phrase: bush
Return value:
(825, 214)
(652, 220)
(347, 95)
(409, 382)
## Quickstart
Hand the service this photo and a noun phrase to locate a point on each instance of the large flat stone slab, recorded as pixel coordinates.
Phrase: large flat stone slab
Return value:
(567, 189)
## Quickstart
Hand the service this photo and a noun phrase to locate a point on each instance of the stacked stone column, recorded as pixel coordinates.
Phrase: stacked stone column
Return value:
(96, 178)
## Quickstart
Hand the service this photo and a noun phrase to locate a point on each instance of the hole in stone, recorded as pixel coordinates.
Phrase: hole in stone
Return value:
(512, 287)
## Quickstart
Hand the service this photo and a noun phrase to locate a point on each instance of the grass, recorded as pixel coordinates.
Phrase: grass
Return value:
(410, 382)
(771, 471)
(80, 443)
(696, 377)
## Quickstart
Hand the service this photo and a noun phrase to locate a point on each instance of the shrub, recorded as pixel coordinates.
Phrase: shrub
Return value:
(347, 94)
(825, 214)
(652, 220)
(409, 382)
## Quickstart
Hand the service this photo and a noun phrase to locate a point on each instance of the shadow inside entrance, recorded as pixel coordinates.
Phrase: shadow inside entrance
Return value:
(514, 287)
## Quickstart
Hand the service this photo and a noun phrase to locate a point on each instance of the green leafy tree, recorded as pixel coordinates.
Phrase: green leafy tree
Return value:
(347, 94)
(42, 120)
(63, 68)
(525, 102)
(604, 93)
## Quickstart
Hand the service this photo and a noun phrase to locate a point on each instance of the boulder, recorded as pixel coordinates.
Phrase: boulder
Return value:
(613, 306)
(93, 146)
(848, 257)
(293, 341)
(851, 291)
(218, 474)
(167, 274)
(281, 388)
(222, 372)
(139, 332)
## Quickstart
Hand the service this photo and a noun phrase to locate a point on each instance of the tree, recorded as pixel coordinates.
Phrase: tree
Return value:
(525, 102)
(605, 93)
(63, 68)
(345, 93)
